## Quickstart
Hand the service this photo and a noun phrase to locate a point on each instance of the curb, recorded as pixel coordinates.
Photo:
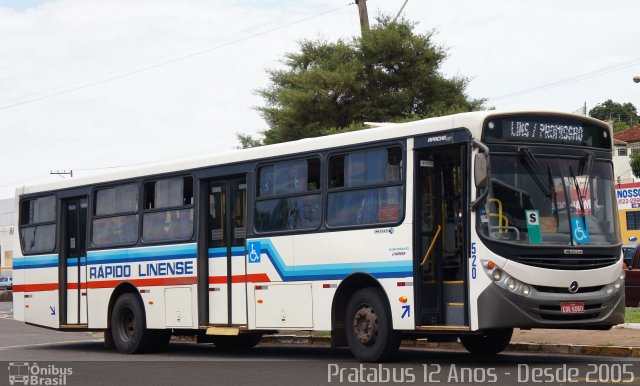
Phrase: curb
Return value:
(569, 349)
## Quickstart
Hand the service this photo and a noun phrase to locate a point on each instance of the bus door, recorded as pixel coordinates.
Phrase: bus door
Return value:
(227, 218)
(441, 212)
(73, 261)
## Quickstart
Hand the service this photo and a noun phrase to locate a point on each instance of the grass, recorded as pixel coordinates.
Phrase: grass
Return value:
(632, 315)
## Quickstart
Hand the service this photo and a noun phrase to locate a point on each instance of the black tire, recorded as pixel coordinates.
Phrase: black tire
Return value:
(489, 342)
(108, 340)
(237, 342)
(128, 330)
(369, 328)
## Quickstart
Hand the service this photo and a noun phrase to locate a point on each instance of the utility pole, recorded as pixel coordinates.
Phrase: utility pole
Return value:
(62, 173)
(400, 11)
(364, 16)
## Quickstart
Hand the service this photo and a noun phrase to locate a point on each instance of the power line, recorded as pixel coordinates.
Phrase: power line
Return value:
(183, 156)
(16, 183)
(129, 67)
(588, 75)
(171, 61)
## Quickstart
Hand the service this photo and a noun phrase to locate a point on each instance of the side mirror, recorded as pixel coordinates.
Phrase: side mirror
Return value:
(480, 170)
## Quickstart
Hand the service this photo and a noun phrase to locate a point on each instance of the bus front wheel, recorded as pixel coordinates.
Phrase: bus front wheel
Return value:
(489, 342)
(128, 330)
(369, 327)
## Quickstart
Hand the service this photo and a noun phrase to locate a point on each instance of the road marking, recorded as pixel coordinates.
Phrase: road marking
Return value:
(52, 343)
(6, 315)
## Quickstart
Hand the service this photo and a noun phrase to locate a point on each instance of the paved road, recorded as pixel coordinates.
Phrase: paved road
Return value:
(187, 363)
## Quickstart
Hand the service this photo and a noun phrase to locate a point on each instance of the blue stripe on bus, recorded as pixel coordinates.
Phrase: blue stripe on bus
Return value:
(384, 269)
(74, 261)
(43, 261)
(222, 252)
(170, 252)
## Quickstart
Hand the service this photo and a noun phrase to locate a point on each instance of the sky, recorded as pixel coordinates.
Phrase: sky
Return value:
(92, 86)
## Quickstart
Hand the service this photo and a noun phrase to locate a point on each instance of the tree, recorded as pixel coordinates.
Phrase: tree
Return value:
(621, 115)
(390, 74)
(635, 164)
(247, 141)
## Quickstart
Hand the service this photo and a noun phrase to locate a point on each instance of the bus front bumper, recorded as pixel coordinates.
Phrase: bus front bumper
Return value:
(499, 308)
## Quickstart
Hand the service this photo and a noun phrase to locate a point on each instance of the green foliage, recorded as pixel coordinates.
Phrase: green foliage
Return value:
(623, 115)
(632, 315)
(635, 164)
(620, 126)
(247, 141)
(389, 75)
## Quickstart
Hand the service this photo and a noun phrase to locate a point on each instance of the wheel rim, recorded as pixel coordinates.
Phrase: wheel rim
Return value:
(365, 325)
(127, 328)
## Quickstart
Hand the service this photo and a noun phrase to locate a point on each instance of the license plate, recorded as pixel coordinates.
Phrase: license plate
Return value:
(572, 308)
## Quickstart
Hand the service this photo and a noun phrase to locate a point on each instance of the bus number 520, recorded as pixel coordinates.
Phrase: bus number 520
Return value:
(473, 260)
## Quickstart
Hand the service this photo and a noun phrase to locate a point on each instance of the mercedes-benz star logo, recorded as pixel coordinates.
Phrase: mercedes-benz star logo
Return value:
(573, 287)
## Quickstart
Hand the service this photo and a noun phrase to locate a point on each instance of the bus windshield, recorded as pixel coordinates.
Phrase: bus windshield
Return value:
(544, 200)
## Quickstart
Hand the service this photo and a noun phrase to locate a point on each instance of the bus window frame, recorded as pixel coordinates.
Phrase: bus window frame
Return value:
(31, 225)
(508, 248)
(257, 198)
(93, 216)
(144, 211)
(402, 183)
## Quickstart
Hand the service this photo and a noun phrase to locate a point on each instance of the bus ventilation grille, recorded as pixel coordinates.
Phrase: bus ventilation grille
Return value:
(567, 262)
(565, 290)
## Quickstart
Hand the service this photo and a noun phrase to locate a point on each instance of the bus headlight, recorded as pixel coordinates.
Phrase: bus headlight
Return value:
(505, 281)
(614, 287)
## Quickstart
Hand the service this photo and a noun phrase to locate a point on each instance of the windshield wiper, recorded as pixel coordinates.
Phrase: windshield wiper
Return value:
(580, 199)
(567, 198)
(533, 164)
(553, 194)
(586, 169)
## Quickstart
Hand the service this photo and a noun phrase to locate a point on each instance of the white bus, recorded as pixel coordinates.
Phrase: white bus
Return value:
(374, 235)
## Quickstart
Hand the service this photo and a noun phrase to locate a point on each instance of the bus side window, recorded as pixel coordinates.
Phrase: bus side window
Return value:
(37, 224)
(365, 187)
(295, 188)
(168, 210)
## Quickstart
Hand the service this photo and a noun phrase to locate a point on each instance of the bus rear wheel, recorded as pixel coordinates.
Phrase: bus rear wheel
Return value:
(369, 327)
(128, 330)
(489, 342)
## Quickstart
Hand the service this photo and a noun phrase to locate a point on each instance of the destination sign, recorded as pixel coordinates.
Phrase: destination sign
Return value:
(543, 132)
(546, 129)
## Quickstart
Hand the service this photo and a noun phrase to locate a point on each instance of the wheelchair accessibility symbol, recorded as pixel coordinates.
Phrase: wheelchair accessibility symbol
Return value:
(253, 251)
(580, 232)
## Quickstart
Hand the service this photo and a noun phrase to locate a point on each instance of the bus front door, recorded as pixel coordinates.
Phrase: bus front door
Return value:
(227, 217)
(440, 236)
(73, 262)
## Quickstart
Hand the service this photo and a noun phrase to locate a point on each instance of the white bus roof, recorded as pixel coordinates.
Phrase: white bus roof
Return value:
(471, 120)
